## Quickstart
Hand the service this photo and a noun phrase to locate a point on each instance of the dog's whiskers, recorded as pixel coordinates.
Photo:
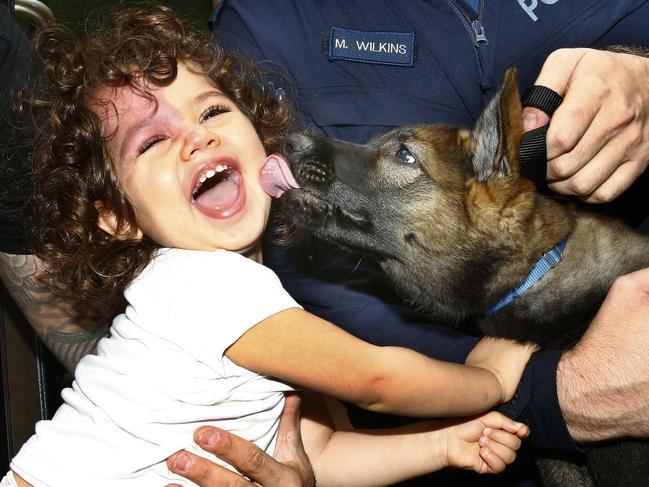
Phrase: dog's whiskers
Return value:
(315, 172)
(356, 266)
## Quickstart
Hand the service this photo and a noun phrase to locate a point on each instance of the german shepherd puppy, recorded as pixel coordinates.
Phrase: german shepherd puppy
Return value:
(448, 217)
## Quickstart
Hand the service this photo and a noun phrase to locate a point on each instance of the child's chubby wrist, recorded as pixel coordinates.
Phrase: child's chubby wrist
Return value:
(498, 386)
(427, 445)
(436, 444)
(492, 383)
(504, 360)
(443, 441)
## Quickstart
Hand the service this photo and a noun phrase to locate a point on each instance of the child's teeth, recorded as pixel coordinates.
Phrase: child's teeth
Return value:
(210, 173)
(220, 168)
(202, 179)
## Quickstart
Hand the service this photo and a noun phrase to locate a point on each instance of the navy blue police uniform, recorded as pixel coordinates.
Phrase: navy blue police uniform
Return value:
(359, 68)
(15, 153)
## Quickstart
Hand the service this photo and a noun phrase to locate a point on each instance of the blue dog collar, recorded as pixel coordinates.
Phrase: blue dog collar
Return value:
(547, 261)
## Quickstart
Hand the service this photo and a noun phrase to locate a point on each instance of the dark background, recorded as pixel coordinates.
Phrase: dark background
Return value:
(78, 11)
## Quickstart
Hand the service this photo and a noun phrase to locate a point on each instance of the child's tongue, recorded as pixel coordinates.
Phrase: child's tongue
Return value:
(276, 177)
(221, 197)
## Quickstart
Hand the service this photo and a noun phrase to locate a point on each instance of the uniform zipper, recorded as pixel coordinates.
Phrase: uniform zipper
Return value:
(477, 31)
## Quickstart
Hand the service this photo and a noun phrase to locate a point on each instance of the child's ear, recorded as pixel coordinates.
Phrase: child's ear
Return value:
(107, 221)
(498, 132)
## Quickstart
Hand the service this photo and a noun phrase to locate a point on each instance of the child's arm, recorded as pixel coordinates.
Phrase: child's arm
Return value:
(486, 444)
(305, 350)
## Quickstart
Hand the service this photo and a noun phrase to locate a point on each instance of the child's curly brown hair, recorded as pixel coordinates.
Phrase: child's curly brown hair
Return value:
(73, 171)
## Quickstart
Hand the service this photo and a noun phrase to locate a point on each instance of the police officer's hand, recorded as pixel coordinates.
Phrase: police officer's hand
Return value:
(289, 468)
(598, 139)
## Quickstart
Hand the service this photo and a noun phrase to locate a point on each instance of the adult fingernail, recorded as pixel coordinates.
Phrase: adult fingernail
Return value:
(182, 461)
(529, 120)
(208, 438)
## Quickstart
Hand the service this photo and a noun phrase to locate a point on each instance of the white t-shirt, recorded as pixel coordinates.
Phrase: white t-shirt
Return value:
(161, 374)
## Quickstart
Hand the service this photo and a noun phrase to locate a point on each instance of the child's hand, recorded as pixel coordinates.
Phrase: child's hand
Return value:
(506, 359)
(486, 444)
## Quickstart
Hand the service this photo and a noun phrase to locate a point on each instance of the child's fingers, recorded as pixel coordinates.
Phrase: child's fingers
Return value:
(502, 451)
(503, 437)
(493, 463)
(519, 429)
(523, 431)
(497, 420)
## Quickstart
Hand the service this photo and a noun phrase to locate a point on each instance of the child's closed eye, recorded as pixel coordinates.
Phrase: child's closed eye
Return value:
(150, 142)
(214, 111)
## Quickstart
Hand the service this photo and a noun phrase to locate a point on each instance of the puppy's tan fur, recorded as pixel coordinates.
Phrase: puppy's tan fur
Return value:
(451, 221)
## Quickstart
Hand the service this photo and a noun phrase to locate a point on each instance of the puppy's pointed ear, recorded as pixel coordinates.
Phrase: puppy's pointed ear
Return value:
(108, 222)
(498, 132)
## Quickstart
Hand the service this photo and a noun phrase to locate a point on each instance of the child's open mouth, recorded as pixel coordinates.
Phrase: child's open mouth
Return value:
(218, 191)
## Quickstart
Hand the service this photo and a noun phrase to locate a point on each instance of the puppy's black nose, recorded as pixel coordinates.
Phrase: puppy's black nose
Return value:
(309, 159)
(297, 144)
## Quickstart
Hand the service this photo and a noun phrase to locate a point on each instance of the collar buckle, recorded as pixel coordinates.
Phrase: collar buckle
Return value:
(553, 256)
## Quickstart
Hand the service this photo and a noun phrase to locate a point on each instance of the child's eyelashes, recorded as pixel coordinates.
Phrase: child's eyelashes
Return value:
(150, 142)
(209, 113)
(213, 111)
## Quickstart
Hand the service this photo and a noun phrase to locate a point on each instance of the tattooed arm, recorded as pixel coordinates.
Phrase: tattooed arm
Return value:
(51, 319)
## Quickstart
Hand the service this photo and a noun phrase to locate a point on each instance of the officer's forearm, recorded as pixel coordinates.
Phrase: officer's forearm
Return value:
(603, 383)
(51, 319)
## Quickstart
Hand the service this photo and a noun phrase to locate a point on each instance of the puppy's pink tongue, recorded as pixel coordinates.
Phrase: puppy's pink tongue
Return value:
(276, 177)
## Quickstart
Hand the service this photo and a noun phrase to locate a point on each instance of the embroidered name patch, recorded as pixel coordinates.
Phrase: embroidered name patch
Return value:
(393, 48)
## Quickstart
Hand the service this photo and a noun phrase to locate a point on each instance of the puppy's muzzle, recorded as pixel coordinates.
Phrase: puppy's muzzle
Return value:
(309, 162)
(318, 161)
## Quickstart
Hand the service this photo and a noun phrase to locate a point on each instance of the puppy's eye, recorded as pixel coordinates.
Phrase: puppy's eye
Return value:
(406, 156)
